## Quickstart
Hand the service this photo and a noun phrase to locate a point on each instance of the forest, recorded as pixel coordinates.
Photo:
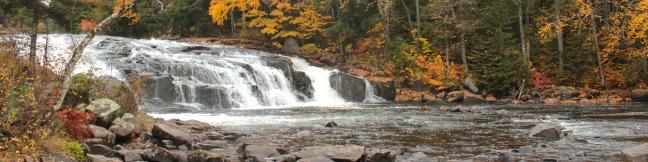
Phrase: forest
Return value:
(504, 49)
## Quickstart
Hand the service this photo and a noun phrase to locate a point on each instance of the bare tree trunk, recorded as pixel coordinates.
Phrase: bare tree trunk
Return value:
(32, 42)
(521, 24)
(78, 50)
(407, 13)
(597, 49)
(462, 40)
(233, 24)
(561, 46)
(418, 17)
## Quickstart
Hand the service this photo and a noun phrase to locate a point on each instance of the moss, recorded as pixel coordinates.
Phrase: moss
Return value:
(75, 150)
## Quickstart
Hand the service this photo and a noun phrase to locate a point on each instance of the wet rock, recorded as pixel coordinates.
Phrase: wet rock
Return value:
(196, 48)
(168, 144)
(211, 144)
(442, 95)
(159, 154)
(194, 125)
(385, 90)
(205, 156)
(416, 157)
(567, 92)
(231, 137)
(214, 97)
(160, 87)
(635, 154)
(101, 158)
(179, 135)
(350, 88)
(316, 159)
(547, 131)
(282, 63)
(455, 96)
(380, 155)
(103, 150)
(331, 124)
(472, 98)
(106, 111)
(257, 153)
(107, 137)
(334, 152)
(639, 95)
(302, 83)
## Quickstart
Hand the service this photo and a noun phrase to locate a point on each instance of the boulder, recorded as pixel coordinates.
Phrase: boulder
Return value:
(258, 153)
(56, 157)
(302, 84)
(194, 125)
(103, 150)
(211, 144)
(335, 152)
(106, 111)
(205, 156)
(639, 95)
(107, 137)
(635, 154)
(196, 48)
(214, 97)
(349, 87)
(385, 90)
(101, 158)
(180, 155)
(122, 128)
(291, 46)
(282, 63)
(567, 92)
(159, 154)
(164, 130)
(315, 159)
(472, 98)
(331, 124)
(455, 96)
(547, 131)
(380, 155)
(551, 101)
(131, 155)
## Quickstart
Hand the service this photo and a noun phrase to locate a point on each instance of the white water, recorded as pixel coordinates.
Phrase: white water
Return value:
(238, 73)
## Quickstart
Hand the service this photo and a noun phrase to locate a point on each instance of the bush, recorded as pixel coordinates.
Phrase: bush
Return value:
(76, 122)
(67, 146)
(310, 48)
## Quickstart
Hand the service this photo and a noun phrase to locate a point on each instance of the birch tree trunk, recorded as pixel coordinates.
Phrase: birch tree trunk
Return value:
(78, 50)
(418, 17)
(561, 46)
(597, 49)
(407, 13)
(521, 24)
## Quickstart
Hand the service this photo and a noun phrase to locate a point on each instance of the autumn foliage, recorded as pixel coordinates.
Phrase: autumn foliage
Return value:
(76, 122)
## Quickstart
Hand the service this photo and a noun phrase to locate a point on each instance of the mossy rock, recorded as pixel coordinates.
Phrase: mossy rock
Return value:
(106, 111)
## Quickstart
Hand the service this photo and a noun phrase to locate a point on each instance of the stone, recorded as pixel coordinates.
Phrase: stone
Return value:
(131, 155)
(491, 99)
(122, 129)
(161, 88)
(302, 83)
(442, 95)
(101, 158)
(231, 137)
(103, 150)
(259, 153)
(205, 156)
(179, 135)
(291, 46)
(211, 144)
(567, 92)
(349, 87)
(502, 112)
(455, 96)
(107, 137)
(213, 97)
(331, 124)
(180, 155)
(385, 90)
(639, 95)
(547, 131)
(282, 63)
(637, 153)
(380, 155)
(551, 101)
(334, 152)
(472, 98)
(106, 111)
(168, 144)
(196, 48)
(429, 99)
(194, 125)
(315, 159)
(56, 157)
(159, 154)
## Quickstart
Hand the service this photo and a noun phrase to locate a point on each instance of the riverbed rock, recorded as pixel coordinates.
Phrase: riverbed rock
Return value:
(195, 48)
(211, 144)
(107, 137)
(567, 92)
(385, 90)
(635, 154)
(331, 124)
(213, 97)
(131, 155)
(56, 157)
(103, 150)
(123, 128)
(101, 158)
(159, 154)
(106, 111)
(160, 87)
(380, 155)
(282, 63)
(205, 156)
(256, 153)
(302, 84)
(547, 131)
(455, 96)
(350, 88)
(334, 152)
(179, 135)
(472, 98)
(639, 95)
(315, 159)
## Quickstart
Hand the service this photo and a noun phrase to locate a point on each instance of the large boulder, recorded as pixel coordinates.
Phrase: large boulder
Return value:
(639, 95)
(179, 135)
(103, 150)
(205, 156)
(350, 87)
(349, 153)
(101, 158)
(214, 97)
(123, 127)
(282, 63)
(302, 84)
(107, 137)
(547, 131)
(315, 159)
(131, 155)
(386, 90)
(106, 111)
(159, 154)
(291, 46)
(257, 153)
(635, 154)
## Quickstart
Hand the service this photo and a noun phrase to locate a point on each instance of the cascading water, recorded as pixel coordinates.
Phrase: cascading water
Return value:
(204, 76)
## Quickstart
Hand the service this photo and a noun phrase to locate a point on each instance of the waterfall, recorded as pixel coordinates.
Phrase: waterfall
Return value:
(202, 75)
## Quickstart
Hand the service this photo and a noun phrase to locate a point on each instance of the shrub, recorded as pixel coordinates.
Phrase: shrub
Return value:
(310, 48)
(67, 146)
(144, 122)
(76, 122)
